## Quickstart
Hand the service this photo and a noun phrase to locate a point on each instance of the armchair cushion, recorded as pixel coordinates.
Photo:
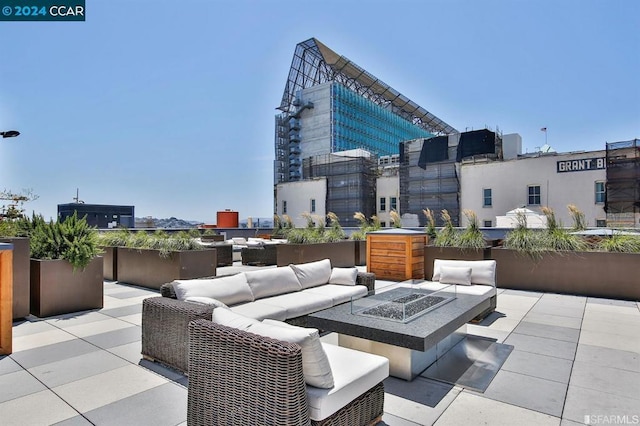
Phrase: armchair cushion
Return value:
(269, 282)
(344, 276)
(229, 318)
(206, 301)
(313, 273)
(228, 290)
(455, 275)
(315, 365)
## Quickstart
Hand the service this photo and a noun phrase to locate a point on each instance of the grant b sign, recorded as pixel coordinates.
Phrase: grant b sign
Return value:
(582, 164)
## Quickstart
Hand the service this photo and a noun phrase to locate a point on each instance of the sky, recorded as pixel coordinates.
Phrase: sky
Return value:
(169, 106)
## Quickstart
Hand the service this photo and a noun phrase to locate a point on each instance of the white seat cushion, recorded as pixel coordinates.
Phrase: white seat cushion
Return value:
(270, 282)
(477, 290)
(315, 365)
(205, 301)
(260, 311)
(312, 274)
(228, 290)
(482, 271)
(354, 373)
(232, 319)
(339, 293)
(299, 303)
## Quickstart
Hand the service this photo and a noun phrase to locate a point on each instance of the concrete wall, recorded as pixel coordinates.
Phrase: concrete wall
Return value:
(298, 196)
(509, 181)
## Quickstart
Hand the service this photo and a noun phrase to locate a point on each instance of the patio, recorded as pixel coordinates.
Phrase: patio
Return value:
(574, 357)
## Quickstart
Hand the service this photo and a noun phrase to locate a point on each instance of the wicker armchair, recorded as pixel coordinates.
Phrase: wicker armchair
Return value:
(165, 321)
(240, 378)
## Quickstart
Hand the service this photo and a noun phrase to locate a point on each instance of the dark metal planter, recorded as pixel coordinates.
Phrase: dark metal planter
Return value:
(56, 289)
(110, 263)
(361, 252)
(596, 274)
(451, 253)
(146, 268)
(21, 273)
(341, 253)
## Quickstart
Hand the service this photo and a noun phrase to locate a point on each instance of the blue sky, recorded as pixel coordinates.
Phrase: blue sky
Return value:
(169, 106)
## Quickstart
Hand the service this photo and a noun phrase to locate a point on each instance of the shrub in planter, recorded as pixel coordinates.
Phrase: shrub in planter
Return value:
(365, 226)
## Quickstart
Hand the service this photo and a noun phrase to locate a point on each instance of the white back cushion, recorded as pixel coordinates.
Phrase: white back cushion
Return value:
(232, 319)
(313, 273)
(455, 275)
(344, 276)
(315, 364)
(270, 282)
(205, 301)
(482, 271)
(229, 290)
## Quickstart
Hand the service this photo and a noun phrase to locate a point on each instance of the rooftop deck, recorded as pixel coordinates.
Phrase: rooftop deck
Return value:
(573, 357)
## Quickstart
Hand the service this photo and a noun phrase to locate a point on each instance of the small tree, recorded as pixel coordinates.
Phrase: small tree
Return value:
(14, 210)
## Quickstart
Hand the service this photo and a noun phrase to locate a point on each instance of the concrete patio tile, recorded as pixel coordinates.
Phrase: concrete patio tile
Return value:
(70, 320)
(613, 309)
(525, 293)
(52, 353)
(490, 332)
(512, 314)
(74, 421)
(36, 340)
(520, 303)
(41, 408)
(162, 405)
(583, 402)
(112, 302)
(131, 293)
(544, 396)
(18, 384)
(566, 422)
(98, 327)
(123, 311)
(608, 340)
(8, 365)
(391, 420)
(610, 326)
(27, 327)
(132, 352)
(608, 357)
(542, 346)
(611, 380)
(541, 366)
(158, 368)
(420, 401)
(563, 311)
(503, 324)
(558, 320)
(611, 302)
(627, 319)
(102, 389)
(135, 319)
(78, 367)
(549, 331)
(471, 409)
(118, 337)
(563, 299)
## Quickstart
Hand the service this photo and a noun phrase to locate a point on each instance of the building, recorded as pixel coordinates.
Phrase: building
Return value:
(622, 201)
(331, 105)
(100, 215)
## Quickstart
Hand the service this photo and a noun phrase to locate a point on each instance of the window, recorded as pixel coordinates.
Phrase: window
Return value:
(600, 192)
(383, 224)
(313, 205)
(393, 203)
(487, 224)
(486, 197)
(601, 223)
(383, 204)
(284, 207)
(534, 195)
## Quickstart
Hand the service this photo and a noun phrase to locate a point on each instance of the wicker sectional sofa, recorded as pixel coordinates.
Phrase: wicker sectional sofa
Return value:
(287, 293)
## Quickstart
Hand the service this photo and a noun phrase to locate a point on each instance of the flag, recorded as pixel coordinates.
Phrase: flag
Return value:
(544, 129)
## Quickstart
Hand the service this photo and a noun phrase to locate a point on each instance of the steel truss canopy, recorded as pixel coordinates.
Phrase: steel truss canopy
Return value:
(314, 63)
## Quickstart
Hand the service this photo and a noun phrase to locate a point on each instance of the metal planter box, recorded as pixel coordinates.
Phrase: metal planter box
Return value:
(21, 273)
(56, 289)
(342, 254)
(146, 268)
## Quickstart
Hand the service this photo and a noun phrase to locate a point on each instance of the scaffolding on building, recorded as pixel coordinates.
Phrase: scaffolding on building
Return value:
(351, 184)
(622, 196)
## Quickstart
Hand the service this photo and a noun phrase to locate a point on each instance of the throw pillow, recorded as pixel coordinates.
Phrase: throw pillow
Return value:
(455, 275)
(232, 319)
(313, 274)
(315, 364)
(271, 282)
(344, 276)
(229, 290)
(205, 301)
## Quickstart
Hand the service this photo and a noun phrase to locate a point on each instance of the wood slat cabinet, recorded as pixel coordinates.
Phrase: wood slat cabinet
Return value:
(396, 255)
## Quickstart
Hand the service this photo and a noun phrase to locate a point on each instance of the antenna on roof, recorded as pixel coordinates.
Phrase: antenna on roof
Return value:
(76, 198)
